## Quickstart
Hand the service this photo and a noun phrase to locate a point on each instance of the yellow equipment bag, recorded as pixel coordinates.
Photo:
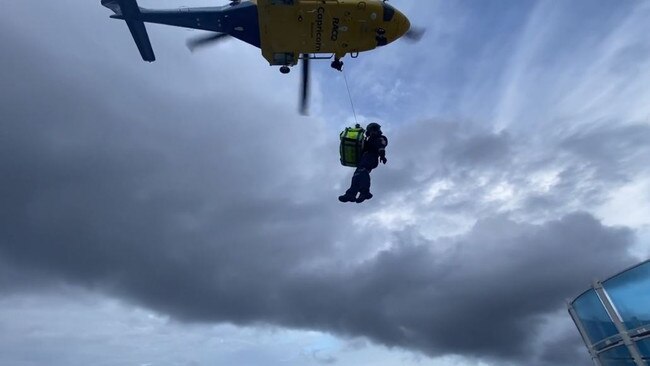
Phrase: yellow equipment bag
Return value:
(351, 148)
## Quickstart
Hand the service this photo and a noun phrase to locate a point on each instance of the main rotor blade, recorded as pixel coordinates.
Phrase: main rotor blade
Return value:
(304, 92)
(415, 34)
(202, 41)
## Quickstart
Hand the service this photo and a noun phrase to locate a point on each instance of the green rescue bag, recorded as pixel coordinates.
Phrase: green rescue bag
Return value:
(351, 148)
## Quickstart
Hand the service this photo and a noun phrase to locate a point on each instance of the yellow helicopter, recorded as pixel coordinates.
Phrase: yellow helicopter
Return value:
(285, 30)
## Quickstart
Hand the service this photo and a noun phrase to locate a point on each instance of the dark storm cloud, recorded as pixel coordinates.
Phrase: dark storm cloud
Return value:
(14, 278)
(566, 349)
(494, 283)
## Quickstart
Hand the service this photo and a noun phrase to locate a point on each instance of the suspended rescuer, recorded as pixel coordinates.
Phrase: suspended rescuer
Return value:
(369, 152)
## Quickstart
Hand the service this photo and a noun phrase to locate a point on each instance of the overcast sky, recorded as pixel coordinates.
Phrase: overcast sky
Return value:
(182, 213)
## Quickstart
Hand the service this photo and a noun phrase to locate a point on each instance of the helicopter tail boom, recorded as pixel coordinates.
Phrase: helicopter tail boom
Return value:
(129, 11)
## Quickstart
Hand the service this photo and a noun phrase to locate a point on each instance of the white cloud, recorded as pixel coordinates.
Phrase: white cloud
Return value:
(628, 205)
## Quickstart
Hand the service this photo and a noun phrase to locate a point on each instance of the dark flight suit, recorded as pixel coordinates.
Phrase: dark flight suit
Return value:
(374, 148)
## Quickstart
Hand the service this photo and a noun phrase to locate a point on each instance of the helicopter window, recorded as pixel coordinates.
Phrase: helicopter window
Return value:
(389, 12)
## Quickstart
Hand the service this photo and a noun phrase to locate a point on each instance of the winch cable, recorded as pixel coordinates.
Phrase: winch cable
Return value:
(350, 95)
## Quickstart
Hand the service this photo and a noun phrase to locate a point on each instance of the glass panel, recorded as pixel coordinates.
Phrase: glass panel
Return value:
(644, 348)
(389, 12)
(630, 293)
(594, 318)
(618, 356)
(618, 363)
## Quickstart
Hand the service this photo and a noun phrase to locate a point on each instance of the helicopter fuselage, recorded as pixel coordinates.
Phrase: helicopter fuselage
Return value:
(335, 27)
(284, 30)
